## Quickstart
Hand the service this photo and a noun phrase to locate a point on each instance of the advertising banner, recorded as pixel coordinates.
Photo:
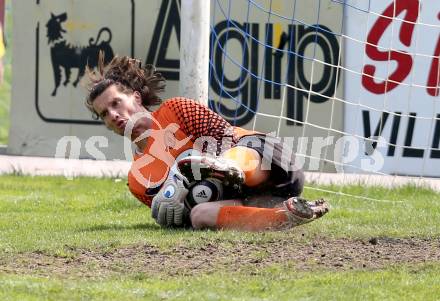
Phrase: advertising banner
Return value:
(392, 86)
(55, 39)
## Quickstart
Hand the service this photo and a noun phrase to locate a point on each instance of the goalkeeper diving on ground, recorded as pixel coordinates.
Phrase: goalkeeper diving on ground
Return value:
(190, 165)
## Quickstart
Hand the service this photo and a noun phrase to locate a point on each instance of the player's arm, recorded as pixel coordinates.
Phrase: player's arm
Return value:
(197, 120)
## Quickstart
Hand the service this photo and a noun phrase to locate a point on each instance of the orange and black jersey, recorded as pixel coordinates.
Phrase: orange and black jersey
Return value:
(176, 125)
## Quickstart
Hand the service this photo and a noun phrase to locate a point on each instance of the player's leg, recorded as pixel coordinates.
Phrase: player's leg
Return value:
(264, 166)
(270, 204)
(205, 215)
(241, 164)
(285, 178)
(232, 215)
(250, 162)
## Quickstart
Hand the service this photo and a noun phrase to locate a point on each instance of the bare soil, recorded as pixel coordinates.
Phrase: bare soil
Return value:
(301, 255)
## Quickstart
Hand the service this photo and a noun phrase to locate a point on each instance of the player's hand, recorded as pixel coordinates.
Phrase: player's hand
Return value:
(167, 207)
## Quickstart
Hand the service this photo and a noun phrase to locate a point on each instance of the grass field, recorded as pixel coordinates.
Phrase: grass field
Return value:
(90, 239)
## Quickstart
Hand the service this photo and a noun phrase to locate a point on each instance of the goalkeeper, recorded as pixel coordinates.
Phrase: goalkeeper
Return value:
(191, 166)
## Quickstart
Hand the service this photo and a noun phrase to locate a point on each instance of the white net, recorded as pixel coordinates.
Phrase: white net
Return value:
(353, 84)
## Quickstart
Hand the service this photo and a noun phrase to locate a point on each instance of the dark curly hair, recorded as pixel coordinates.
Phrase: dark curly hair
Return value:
(128, 75)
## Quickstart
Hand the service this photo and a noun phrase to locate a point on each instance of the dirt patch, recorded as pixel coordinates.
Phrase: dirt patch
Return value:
(320, 253)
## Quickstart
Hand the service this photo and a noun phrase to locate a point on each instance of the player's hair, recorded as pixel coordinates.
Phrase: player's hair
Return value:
(128, 75)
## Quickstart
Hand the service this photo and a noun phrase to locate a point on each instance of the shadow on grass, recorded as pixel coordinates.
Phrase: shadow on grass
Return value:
(106, 227)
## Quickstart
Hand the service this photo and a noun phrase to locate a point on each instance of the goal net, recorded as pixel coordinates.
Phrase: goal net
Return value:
(352, 85)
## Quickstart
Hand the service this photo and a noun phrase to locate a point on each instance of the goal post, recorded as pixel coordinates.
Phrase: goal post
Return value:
(194, 49)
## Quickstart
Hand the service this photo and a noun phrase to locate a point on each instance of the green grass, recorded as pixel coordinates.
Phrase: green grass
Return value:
(88, 212)
(54, 215)
(407, 212)
(273, 284)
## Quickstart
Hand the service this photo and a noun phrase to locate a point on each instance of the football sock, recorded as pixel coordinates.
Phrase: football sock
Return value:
(249, 160)
(250, 218)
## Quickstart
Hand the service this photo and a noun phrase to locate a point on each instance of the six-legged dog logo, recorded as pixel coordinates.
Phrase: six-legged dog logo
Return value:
(69, 56)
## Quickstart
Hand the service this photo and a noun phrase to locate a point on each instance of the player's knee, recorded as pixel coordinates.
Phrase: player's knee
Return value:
(202, 216)
(247, 158)
(250, 162)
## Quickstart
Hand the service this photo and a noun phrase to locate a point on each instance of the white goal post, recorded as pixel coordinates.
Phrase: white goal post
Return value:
(194, 49)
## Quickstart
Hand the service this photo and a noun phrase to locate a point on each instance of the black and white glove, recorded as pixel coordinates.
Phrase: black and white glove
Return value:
(167, 207)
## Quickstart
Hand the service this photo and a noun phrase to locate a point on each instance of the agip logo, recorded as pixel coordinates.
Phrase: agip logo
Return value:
(284, 63)
(67, 56)
(69, 38)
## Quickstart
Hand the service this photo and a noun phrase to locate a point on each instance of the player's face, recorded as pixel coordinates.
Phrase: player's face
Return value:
(115, 108)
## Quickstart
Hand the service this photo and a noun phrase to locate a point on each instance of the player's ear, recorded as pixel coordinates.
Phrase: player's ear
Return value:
(137, 97)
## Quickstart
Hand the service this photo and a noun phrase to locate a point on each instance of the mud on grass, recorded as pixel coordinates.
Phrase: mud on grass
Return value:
(249, 257)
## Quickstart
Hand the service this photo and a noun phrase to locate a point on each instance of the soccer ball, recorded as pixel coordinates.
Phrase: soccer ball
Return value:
(207, 190)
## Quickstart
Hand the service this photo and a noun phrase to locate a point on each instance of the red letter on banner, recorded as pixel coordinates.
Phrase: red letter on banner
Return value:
(434, 76)
(403, 59)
